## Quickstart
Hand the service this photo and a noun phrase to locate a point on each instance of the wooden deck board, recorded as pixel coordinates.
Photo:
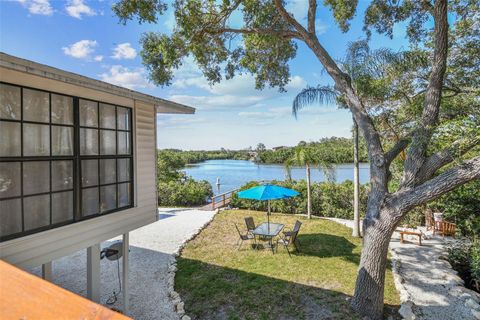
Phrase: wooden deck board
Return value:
(25, 296)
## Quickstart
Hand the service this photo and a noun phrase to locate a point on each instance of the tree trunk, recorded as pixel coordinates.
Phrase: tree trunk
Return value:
(309, 199)
(369, 288)
(356, 187)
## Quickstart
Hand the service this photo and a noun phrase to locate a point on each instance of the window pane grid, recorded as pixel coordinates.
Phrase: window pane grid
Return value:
(56, 141)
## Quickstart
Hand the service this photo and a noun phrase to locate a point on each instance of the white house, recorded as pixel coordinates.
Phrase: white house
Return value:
(77, 165)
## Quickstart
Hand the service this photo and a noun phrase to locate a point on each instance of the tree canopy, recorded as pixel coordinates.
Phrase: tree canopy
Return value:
(424, 100)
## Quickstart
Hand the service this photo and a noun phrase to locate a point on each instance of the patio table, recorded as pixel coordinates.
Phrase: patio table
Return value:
(268, 231)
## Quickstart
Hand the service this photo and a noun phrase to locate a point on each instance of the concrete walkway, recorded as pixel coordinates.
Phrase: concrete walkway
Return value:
(429, 288)
(151, 253)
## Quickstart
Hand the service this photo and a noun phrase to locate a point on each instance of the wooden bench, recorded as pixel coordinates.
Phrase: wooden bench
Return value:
(445, 228)
(412, 233)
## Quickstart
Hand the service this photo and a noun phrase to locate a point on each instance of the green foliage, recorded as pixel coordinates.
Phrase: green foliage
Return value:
(145, 10)
(168, 164)
(343, 11)
(186, 192)
(465, 259)
(475, 265)
(327, 150)
(203, 33)
(310, 95)
(174, 189)
(328, 199)
(189, 157)
(414, 218)
(276, 156)
(260, 147)
(382, 15)
(462, 206)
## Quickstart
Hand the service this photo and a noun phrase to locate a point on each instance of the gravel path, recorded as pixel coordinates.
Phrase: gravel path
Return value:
(429, 287)
(151, 253)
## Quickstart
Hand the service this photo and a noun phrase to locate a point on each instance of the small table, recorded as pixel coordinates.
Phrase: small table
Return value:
(269, 231)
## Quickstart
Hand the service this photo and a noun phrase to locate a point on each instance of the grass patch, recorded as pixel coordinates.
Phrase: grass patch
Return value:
(217, 281)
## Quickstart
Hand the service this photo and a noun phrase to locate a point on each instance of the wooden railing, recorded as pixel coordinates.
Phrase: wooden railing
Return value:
(221, 200)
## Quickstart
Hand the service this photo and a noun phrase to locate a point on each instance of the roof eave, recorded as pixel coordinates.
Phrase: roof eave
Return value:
(38, 69)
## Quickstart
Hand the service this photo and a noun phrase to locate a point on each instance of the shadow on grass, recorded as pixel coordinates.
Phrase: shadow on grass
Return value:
(215, 292)
(327, 245)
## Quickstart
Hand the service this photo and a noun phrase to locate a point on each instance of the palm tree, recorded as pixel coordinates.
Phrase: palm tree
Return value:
(363, 66)
(306, 156)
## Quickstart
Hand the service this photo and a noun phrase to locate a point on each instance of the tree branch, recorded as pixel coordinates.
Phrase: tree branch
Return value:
(378, 172)
(444, 157)
(312, 12)
(401, 144)
(289, 19)
(278, 33)
(407, 199)
(433, 95)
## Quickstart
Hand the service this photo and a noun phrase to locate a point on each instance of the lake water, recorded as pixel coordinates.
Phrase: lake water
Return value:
(235, 173)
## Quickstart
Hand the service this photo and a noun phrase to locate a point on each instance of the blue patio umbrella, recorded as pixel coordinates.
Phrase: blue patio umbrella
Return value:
(267, 192)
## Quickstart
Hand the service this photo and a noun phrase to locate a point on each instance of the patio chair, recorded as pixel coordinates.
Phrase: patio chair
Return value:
(244, 237)
(429, 222)
(287, 240)
(296, 228)
(250, 224)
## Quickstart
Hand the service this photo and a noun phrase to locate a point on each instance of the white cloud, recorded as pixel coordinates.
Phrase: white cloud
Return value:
(41, 7)
(240, 85)
(81, 49)
(178, 121)
(286, 112)
(299, 8)
(251, 114)
(125, 77)
(270, 113)
(124, 51)
(320, 28)
(234, 93)
(169, 22)
(77, 8)
(216, 102)
(98, 58)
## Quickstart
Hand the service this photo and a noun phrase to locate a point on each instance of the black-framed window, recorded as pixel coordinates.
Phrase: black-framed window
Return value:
(62, 159)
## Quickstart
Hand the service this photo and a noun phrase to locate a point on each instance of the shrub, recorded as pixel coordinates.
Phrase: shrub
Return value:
(475, 265)
(186, 192)
(462, 206)
(464, 256)
(328, 199)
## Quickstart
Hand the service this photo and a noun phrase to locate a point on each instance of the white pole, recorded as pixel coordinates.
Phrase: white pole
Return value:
(93, 273)
(125, 273)
(356, 183)
(47, 271)
(268, 216)
(309, 196)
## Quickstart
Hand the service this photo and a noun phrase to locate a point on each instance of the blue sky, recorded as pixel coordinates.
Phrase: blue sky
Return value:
(85, 37)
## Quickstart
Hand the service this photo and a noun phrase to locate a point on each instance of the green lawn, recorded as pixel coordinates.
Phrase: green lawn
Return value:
(218, 282)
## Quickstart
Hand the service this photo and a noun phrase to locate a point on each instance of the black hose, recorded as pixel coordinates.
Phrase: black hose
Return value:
(113, 298)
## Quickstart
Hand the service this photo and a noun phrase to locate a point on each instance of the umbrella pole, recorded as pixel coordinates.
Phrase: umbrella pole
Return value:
(268, 216)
